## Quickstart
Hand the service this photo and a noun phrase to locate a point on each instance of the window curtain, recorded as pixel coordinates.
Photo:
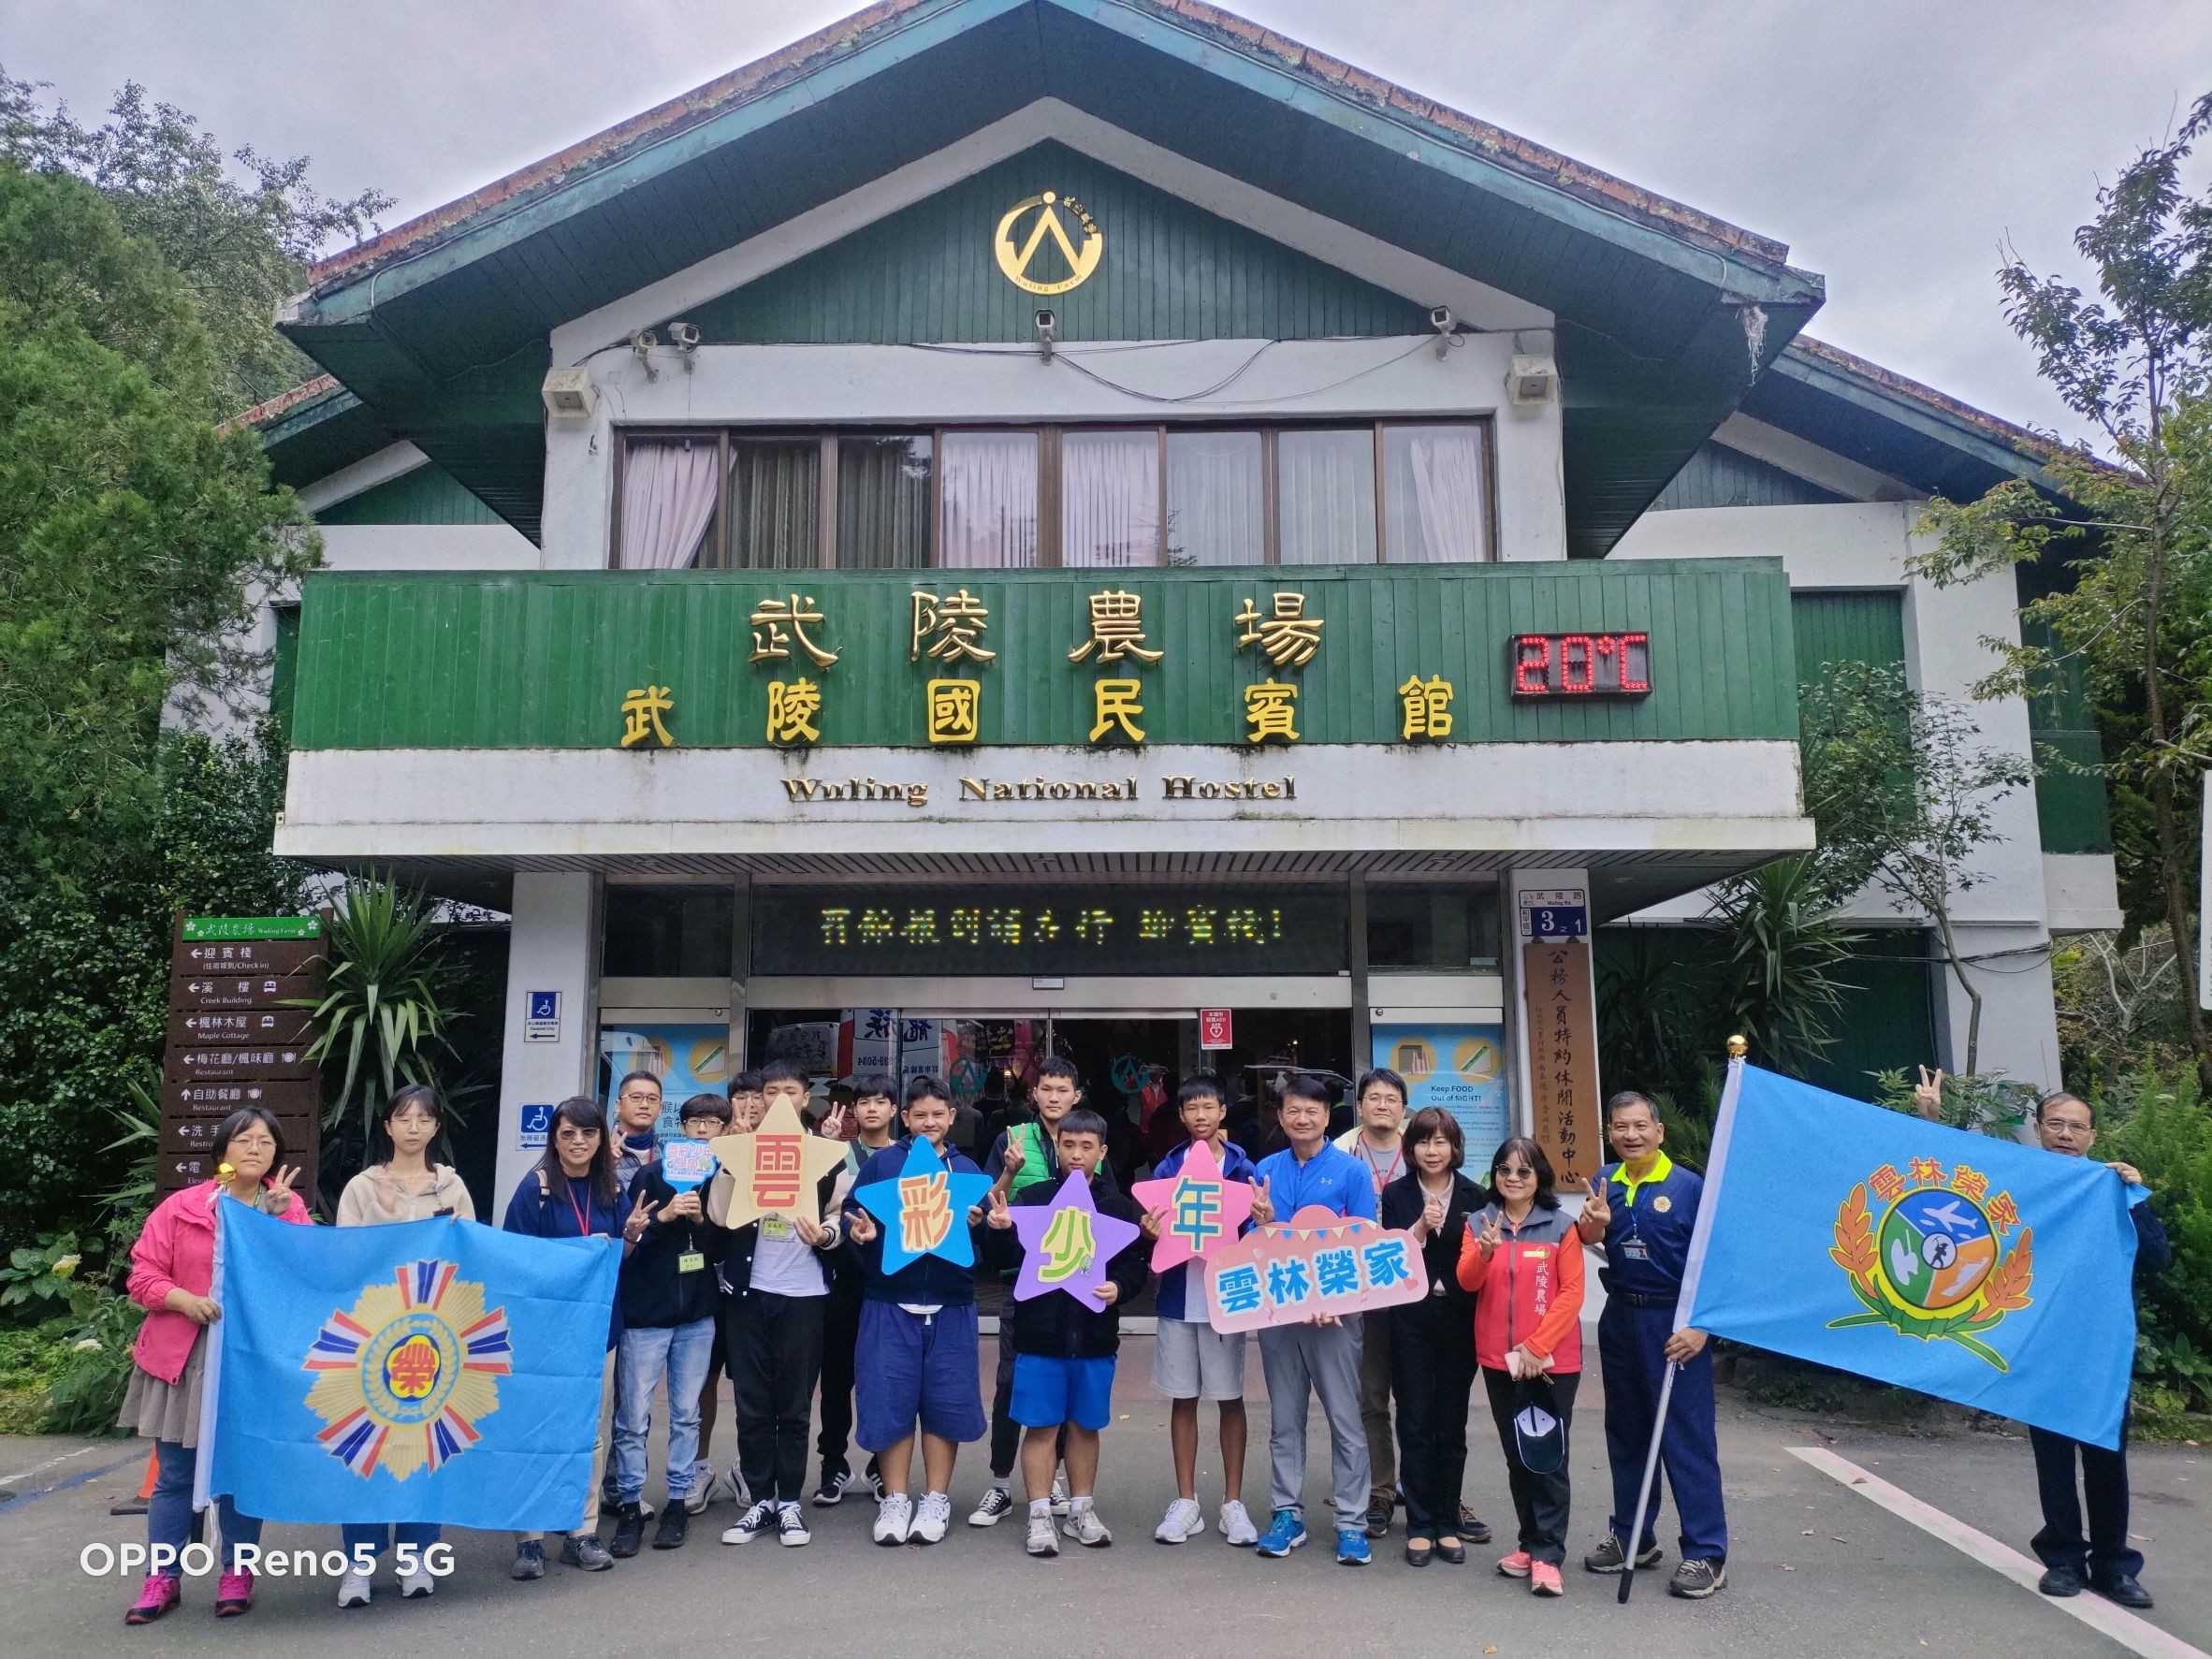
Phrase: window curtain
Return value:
(1217, 501)
(1326, 492)
(1110, 499)
(883, 502)
(668, 494)
(775, 504)
(990, 492)
(1435, 505)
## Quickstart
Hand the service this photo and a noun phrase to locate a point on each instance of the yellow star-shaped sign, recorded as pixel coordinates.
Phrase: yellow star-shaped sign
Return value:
(774, 1170)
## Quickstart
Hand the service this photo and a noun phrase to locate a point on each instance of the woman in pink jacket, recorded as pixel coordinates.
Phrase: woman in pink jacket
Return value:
(172, 1269)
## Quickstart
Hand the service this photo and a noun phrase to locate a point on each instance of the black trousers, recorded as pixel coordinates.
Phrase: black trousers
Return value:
(1539, 1500)
(2105, 1553)
(773, 1345)
(1431, 1374)
(840, 1335)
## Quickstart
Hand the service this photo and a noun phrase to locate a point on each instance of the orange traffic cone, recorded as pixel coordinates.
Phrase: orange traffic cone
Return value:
(136, 1505)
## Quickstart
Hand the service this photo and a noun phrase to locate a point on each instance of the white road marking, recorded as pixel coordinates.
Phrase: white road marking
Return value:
(51, 1463)
(2137, 1635)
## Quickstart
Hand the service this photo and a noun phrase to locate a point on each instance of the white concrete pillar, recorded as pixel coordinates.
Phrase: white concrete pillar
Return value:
(554, 947)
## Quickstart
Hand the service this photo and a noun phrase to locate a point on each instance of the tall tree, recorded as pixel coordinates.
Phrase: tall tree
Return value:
(239, 242)
(2133, 362)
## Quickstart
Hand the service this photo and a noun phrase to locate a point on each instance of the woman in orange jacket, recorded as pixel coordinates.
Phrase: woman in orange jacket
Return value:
(1522, 1260)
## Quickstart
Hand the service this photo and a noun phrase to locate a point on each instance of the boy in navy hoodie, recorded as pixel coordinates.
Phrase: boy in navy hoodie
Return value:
(916, 1356)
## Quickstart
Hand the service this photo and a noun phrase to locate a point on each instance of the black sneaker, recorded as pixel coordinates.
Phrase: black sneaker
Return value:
(832, 1489)
(1693, 1580)
(630, 1530)
(530, 1560)
(1473, 1528)
(873, 1475)
(2059, 1581)
(2124, 1589)
(675, 1522)
(1378, 1516)
(585, 1550)
(1607, 1557)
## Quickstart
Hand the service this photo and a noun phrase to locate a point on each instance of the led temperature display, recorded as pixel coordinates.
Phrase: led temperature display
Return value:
(1581, 664)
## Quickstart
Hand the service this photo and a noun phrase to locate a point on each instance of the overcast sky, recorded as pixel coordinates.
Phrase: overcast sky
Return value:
(1892, 143)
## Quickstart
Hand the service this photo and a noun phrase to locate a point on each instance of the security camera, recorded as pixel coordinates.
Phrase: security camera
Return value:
(685, 337)
(1048, 331)
(1440, 318)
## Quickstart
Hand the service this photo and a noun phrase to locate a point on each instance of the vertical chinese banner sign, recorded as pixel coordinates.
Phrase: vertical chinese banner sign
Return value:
(1562, 1057)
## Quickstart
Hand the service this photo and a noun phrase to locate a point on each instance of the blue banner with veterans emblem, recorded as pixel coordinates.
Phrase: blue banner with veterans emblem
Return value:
(1981, 1270)
(433, 1370)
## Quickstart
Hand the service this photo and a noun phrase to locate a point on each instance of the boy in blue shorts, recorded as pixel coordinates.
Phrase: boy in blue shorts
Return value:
(916, 1359)
(1064, 1350)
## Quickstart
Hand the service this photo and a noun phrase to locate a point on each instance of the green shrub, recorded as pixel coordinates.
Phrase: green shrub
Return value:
(2158, 1121)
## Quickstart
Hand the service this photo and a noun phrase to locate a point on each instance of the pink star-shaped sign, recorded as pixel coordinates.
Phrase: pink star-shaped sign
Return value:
(1066, 1243)
(1198, 1210)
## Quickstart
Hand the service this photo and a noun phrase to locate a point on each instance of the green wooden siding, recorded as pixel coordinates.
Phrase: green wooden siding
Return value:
(1169, 271)
(543, 660)
(1858, 625)
(1719, 476)
(427, 495)
(2071, 810)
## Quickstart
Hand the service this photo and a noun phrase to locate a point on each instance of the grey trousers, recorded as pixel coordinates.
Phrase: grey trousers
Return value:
(1324, 1359)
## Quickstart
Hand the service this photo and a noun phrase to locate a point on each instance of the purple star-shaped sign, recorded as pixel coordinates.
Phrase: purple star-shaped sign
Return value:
(1066, 1243)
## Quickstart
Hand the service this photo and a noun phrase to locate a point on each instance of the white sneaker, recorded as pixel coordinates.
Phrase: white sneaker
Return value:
(996, 1505)
(353, 1591)
(1236, 1526)
(1042, 1539)
(701, 1492)
(740, 1494)
(750, 1524)
(1184, 1519)
(933, 1516)
(1087, 1529)
(416, 1585)
(1059, 1493)
(895, 1519)
(790, 1527)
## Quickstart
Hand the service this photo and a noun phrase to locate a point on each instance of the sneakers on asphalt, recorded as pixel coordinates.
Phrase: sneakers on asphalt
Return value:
(676, 1525)
(996, 1505)
(874, 1477)
(1473, 1528)
(1352, 1547)
(932, 1516)
(1236, 1526)
(1084, 1526)
(1515, 1565)
(1378, 1515)
(585, 1550)
(416, 1585)
(790, 1527)
(234, 1595)
(1059, 1493)
(750, 1524)
(699, 1495)
(353, 1591)
(1543, 1579)
(159, 1593)
(1694, 1581)
(629, 1532)
(1183, 1522)
(833, 1487)
(530, 1560)
(1044, 1539)
(1284, 1533)
(1607, 1557)
(894, 1517)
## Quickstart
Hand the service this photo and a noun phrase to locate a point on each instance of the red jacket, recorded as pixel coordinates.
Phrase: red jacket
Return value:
(176, 1251)
(1530, 1292)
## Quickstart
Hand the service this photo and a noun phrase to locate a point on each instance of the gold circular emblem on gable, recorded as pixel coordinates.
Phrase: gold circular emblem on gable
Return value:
(1081, 259)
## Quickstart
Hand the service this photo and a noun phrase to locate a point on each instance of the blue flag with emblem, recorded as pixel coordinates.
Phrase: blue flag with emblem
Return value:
(1981, 1270)
(430, 1371)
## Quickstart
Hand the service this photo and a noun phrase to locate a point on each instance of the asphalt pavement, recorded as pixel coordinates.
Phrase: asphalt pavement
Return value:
(1818, 1567)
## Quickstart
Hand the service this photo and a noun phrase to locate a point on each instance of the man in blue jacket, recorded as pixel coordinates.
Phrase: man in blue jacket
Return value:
(2105, 1561)
(916, 1357)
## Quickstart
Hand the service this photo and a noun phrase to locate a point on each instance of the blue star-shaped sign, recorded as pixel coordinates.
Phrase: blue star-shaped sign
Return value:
(922, 1210)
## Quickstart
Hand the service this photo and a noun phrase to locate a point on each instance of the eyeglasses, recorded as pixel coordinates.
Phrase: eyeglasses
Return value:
(639, 1095)
(571, 1132)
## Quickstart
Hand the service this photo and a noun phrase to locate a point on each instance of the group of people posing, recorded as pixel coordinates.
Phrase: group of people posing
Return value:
(786, 1306)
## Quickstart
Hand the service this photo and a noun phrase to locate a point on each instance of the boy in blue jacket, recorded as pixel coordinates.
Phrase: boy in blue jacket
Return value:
(915, 1360)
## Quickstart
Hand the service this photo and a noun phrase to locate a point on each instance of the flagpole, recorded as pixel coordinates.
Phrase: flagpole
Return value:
(1716, 1164)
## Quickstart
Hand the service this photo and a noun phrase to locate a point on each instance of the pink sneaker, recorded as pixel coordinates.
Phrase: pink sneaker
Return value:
(1515, 1565)
(1543, 1579)
(160, 1595)
(234, 1596)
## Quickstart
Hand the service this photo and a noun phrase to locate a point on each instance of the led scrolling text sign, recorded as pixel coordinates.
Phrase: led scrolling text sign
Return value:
(1581, 664)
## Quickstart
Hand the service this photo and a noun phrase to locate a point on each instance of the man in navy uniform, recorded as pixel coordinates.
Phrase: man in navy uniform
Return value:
(1640, 1214)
